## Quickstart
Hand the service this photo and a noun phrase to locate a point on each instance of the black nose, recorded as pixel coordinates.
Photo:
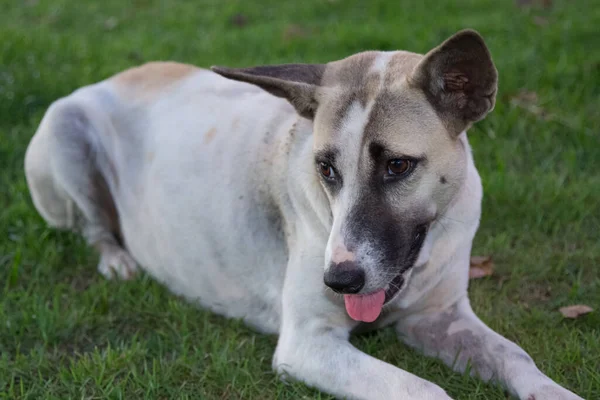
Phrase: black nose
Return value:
(345, 277)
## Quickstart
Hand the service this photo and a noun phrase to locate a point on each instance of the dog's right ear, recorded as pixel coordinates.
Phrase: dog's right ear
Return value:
(297, 83)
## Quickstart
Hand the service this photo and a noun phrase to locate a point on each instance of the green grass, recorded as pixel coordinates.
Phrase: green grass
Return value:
(65, 332)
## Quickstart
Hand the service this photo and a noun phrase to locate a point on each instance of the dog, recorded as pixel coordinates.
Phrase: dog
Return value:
(309, 200)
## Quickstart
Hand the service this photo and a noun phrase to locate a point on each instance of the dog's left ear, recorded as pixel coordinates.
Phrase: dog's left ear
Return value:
(297, 83)
(459, 79)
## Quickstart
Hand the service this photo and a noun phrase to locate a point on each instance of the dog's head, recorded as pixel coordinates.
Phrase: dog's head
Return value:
(386, 150)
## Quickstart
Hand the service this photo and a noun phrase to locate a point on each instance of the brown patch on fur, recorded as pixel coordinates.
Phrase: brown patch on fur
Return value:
(352, 74)
(349, 72)
(147, 80)
(360, 83)
(210, 135)
(369, 89)
(401, 66)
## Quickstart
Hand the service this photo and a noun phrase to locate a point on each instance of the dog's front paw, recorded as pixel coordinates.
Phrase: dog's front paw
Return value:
(551, 392)
(116, 261)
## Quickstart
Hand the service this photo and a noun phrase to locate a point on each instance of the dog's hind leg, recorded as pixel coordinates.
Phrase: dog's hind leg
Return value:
(64, 169)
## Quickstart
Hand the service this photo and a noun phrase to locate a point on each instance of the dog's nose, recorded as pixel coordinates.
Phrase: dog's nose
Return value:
(345, 277)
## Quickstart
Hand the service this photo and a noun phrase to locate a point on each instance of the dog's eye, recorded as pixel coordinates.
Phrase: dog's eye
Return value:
(399, 167)
(326, 170)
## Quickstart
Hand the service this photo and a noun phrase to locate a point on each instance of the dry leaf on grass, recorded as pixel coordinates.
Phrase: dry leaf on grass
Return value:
(575, 311)
(481, 267)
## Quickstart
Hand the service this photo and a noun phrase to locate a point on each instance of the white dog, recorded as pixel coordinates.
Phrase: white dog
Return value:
(352, 205)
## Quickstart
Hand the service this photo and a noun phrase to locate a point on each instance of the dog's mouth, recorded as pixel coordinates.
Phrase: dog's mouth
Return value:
(398, 283)
(393, 288)
(367, 307)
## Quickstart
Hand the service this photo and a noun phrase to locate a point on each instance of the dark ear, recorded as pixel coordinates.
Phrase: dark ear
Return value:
(295, 82)
(459, 79)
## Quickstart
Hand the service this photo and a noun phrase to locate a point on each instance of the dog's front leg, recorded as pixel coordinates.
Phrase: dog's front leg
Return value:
(313, 346)
(458, 337)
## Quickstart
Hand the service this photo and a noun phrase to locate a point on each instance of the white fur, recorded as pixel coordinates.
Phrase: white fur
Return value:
(197, 172)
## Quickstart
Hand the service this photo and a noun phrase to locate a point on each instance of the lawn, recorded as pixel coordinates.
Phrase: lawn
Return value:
(65, 332)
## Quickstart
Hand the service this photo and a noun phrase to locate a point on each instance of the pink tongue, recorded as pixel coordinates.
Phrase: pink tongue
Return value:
(365, 307)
